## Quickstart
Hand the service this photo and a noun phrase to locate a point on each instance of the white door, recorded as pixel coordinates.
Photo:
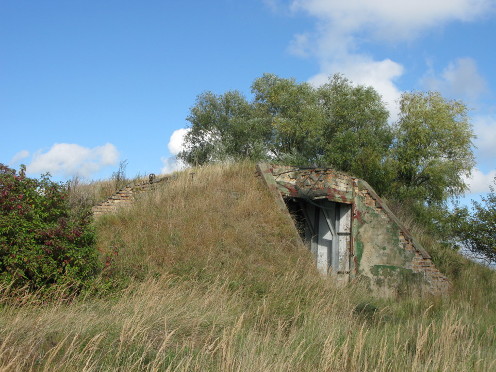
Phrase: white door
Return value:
(330, 232)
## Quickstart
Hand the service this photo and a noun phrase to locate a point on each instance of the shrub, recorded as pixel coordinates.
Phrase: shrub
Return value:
(42, 241)
(476, 229)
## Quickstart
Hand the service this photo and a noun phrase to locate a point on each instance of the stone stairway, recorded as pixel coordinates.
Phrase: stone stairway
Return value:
(126, 196)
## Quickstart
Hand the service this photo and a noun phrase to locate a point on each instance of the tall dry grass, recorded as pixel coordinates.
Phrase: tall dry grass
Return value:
(87, 194)
(207, 222)
(217, 282)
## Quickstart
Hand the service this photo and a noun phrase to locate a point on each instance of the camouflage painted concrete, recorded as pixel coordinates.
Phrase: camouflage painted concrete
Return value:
(380, 250)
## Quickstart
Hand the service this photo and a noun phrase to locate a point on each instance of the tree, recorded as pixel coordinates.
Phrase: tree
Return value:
(224, 127)
(356, 135)
(295, 116)
(477, 230)
(337, 125)
(41, 242)
(420, 160)
(431, 152)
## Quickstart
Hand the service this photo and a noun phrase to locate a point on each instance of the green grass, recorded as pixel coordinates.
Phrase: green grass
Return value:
(206, 276)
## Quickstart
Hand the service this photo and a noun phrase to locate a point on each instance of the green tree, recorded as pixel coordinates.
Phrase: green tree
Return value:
(336, 125)
(224, 127)
(432, 149)
(420, 160)
(356, 135)
(41, 241)
(477, 229)
(294, 113)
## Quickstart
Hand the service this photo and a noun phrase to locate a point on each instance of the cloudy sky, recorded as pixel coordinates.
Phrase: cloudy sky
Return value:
(85, 84)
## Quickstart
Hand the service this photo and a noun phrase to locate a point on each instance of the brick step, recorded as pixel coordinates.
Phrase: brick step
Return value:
(125, 196)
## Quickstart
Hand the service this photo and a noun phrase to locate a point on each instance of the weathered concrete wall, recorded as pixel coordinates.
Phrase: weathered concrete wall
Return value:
(385, 251)
(381, 249)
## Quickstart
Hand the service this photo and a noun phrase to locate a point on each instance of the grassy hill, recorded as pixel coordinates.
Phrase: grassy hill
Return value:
(204, 274)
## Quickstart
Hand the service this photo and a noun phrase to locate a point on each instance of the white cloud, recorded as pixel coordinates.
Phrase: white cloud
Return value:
(365, 71)
(275, 5)
(485, 130)
(300, 45)
(392, 19)
(459, 79)
(176, 141)
(172, 164)
(479, 182)
(343, 25)
(69, 159)
(175, 146)
(17, 158)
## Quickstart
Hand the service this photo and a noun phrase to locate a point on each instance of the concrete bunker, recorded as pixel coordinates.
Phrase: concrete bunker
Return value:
(350, 231)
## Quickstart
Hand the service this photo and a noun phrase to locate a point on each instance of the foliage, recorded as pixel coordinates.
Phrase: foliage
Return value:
(42, 242)
(431, 151)
(477, 230)
(294, 115)
(338, 125)
(420, 160)
(224, 127)
(356, 136)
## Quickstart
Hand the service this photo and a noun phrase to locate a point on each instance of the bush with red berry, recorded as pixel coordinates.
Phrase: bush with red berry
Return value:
(42, 240)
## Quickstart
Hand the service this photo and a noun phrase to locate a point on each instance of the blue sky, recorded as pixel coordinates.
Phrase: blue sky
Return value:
(86, 84)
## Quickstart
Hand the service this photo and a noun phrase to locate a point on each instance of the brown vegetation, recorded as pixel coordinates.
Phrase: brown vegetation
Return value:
(203, 274)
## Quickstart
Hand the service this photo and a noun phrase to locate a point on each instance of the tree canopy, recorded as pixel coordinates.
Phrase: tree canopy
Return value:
(423, 157)
(432, 151)
(476, 229)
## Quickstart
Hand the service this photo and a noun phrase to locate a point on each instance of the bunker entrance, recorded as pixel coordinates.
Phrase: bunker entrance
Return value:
(325, 227)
